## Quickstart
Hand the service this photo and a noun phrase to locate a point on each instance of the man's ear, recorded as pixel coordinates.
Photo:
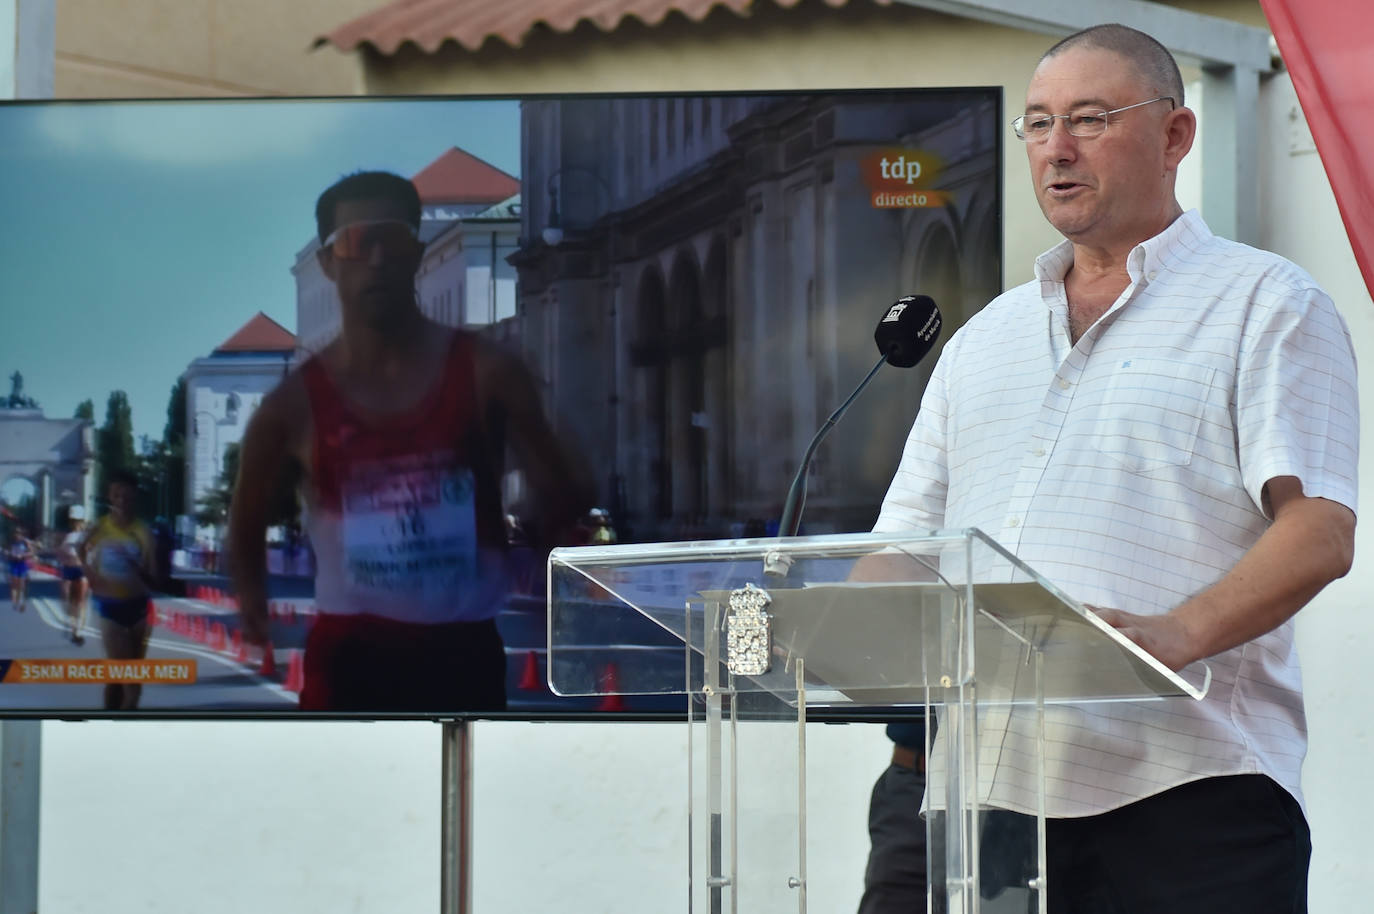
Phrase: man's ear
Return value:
(1180, 129)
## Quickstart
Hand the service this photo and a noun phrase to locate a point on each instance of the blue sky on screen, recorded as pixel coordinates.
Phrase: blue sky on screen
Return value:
(137, 236)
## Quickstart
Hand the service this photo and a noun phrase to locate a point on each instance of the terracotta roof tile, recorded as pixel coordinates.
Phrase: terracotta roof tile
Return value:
(460, 177)
(260, 334)
(429, 23)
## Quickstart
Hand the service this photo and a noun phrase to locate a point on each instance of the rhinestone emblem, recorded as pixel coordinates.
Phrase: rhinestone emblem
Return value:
(748, 637)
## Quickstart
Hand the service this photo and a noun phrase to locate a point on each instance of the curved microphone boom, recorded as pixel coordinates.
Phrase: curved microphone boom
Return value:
(907, 332)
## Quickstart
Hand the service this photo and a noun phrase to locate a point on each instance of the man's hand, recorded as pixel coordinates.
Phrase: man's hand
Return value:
(1163, 637)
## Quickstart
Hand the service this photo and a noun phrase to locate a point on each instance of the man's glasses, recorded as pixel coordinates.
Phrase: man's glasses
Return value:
(355, 240)
(1085, 122)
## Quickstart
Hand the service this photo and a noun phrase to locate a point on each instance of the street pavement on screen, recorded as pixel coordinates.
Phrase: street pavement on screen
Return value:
(204, 627)
(227, 679)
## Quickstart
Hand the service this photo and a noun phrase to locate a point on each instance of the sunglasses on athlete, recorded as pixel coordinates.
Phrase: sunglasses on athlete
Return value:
(355, 240)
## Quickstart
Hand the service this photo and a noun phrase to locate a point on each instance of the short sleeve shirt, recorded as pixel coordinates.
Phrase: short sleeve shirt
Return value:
(1128, 469)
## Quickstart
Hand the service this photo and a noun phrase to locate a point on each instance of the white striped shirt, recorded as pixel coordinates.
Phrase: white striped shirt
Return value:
(1128, 470)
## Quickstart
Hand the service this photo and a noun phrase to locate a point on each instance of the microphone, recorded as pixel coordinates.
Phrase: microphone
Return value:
(907, 331)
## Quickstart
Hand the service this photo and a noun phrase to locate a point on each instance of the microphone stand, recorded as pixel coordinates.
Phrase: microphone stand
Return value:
(776, 564)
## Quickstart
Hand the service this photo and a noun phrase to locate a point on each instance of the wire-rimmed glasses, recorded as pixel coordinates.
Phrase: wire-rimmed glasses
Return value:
(1081, 122)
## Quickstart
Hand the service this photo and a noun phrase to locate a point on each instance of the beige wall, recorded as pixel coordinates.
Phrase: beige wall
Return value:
(808, 46)
(1246, 12)
(207, 48)
(811, 46)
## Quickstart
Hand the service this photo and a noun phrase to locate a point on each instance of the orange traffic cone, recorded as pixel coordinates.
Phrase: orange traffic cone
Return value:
(610, 683)
(295, 672)
(530, 680)
(217, 636)
(269, 661)
(152, 614)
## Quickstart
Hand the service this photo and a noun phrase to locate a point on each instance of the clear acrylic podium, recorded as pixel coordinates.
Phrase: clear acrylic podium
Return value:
(756, 632)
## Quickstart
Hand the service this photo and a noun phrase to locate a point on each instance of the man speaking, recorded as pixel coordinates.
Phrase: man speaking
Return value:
(1163, 423)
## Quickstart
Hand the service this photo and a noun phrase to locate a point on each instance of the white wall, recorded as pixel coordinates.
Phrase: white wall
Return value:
(1335, 632)
(486, 300)
(211, 426)
(273, 817)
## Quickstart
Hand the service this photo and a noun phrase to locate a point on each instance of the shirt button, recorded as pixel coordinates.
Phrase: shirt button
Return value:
(1152, 274)
(1063, 383)
(1038, 452)
(1014, 522)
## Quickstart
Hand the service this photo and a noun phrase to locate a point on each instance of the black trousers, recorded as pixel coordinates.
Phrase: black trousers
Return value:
(895, 878)
(1237, 843)
(1221, 844)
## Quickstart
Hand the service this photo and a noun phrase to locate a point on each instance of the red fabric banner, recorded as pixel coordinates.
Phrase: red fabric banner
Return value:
(1328, 47)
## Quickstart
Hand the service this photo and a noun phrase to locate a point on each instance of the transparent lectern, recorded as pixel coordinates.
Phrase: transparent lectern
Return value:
(755, 632)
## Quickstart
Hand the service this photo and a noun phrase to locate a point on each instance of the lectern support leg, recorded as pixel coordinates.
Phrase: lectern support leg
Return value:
(717, 879)
(455, 878)
(799, 881)
(959, 727)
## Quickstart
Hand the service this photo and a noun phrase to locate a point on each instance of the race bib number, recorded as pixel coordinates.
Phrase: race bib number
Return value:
(410, 526)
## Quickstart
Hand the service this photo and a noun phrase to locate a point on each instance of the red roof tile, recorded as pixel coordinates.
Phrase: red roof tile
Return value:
(429, 23)
(460, 177)
(260, 334)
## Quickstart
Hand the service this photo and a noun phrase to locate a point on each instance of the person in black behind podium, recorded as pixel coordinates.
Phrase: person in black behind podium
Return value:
(1163, 423)
(895, 877)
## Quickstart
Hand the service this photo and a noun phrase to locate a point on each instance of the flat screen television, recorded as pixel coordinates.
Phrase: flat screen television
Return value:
(694, 281)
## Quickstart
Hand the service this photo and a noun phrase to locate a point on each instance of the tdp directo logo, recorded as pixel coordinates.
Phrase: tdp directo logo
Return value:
(901, 178)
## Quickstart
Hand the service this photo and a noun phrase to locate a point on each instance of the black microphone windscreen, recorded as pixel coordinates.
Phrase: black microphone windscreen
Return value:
(908, 330)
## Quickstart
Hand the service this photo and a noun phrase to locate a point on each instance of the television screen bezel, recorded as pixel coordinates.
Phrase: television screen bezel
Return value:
(835, 714)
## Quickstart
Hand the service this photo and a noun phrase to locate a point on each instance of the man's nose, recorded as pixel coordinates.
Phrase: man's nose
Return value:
(1060, 144)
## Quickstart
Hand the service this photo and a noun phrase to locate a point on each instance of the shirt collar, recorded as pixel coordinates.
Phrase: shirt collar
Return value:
(1150, 257)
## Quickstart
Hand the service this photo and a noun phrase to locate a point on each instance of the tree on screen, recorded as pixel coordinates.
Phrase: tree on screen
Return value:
(114, 442)
(212, 509)
(173, 453)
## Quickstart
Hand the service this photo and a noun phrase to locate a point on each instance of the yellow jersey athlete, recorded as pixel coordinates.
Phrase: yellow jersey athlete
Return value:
(118, 560)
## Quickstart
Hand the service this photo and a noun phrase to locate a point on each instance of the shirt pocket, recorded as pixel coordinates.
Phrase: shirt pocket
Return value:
(1151, 411)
